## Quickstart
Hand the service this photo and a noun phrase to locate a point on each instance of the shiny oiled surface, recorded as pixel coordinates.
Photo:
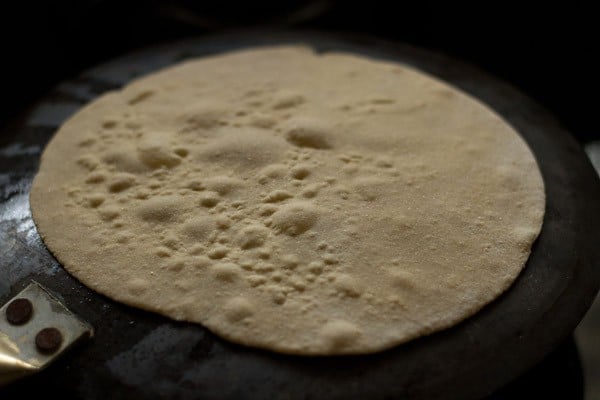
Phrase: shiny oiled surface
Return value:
(146, 356)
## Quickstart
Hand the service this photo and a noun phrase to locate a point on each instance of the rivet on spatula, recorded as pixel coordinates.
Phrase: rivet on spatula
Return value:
(19, 311)
(48, 340)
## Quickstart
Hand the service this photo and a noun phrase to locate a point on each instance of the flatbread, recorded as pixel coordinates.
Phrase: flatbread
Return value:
(298, 202)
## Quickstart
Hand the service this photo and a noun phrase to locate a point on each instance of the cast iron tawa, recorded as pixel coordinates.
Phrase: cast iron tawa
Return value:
(136, 354)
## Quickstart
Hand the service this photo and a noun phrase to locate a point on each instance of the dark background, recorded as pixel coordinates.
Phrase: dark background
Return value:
(547, 51)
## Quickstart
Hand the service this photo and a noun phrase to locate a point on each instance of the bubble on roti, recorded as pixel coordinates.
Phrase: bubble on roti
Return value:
(301, 203)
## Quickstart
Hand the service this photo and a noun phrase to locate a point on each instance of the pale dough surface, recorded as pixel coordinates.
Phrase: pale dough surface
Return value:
(302, 203)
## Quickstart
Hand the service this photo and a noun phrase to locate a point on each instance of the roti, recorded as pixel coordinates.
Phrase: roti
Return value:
(313, 204)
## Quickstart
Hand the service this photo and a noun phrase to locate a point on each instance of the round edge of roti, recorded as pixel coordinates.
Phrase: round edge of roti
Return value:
(301, 203)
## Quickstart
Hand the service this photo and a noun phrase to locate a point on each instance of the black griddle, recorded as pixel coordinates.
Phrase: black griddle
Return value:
(136, 354)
